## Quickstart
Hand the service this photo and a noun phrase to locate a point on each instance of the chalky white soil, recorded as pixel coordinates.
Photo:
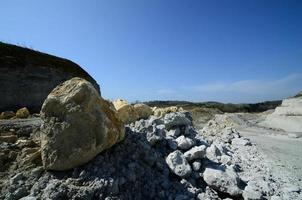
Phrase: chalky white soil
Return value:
(281, 150)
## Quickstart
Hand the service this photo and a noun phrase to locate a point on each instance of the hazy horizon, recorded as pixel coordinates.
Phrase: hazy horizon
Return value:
(225, 51)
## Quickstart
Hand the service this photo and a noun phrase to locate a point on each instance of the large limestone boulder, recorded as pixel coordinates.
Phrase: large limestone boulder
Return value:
(288, 116)
(77, 125)
(144, 111)
(125, 111)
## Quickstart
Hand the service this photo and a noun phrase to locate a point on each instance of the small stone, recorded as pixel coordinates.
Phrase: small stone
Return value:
(155, 136)
(241, 142)
(172, 144)
(160, 127)
(223, 180)
(155, 120)
(213, 152)
(176, 119)
(28, 198)
(15, 179)
(225, 159)
(143, 110)
(125, 111)
(292, 188)
(22, 113)
(173, 133)
(20, 192)
(7, 115)
(252, 192)
(37, 172)
(178, 164)
(184, 143)
(197, 152)
(196, 166)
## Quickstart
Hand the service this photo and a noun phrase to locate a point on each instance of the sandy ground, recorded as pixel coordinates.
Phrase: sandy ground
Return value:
(283, 152)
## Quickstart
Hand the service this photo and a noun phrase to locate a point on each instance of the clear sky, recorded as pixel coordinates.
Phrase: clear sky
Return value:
(197, 50)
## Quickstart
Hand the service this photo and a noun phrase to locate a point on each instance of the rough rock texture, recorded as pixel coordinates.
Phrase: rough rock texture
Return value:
(176, 119)
(78, 124)
(27, 76)
(178, 164)
(223, 179)
(7, 115)
(21, 127)
(22, 113)
(288, 116)
(144, 111)
(197, 152)
(125, 111)
(161, 112)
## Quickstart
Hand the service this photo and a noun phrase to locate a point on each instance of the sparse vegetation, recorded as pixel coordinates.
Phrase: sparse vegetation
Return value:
(229, 107)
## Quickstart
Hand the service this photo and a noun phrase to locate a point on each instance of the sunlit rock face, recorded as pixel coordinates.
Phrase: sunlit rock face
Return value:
(77, 125)
(288, 116)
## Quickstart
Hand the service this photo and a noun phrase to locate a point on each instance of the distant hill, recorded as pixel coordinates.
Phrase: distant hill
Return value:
(228, 107)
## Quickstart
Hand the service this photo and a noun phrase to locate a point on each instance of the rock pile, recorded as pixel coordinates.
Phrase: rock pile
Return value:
(160, 158)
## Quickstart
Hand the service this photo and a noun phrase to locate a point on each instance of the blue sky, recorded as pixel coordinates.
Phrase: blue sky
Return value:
(197, 50)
